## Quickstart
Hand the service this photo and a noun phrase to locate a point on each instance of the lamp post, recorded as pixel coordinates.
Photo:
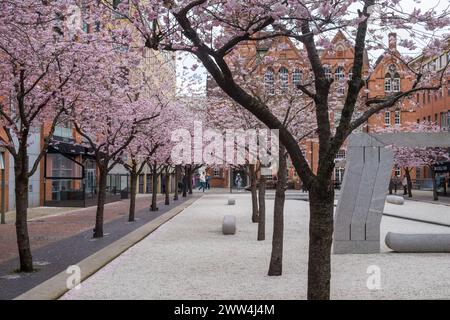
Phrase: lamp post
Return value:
(2, 167)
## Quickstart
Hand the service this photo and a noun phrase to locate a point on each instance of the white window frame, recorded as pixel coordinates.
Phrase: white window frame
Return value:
(297, 76)
(269, 82)
(327, 71)
(387, 118)
(397, 117)
(396, 84)
(387, 84)
(283, 75)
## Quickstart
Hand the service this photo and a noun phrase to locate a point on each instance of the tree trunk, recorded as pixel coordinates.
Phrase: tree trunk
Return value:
(189, 174)
(98, 230)
(321, 202)
(21, 193)
(433, 176)
(276, 259)
(254, 192)
(177, 172)
(262, 209)
(167, 188)
(409, 182)
(153, 207)
(185, 178)
(133, 189)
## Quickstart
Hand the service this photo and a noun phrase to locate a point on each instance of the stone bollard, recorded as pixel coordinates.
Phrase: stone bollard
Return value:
(229, 225)
(231, 201)
(395, 199)
(418, 242)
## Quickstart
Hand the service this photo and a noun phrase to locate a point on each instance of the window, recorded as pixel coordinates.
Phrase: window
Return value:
(387, 118)
(283, 74)
(396, 83)
(340, 154)
(350, 73)
(448, 120)
(397, 117)
(387, 83)
(327, 71)
(269, 81)
(64, 130)
(442, 61)
(397, 172)
(339, 74)
(448, 88)
(392, 80)
(436, 118)
(297, 76)
(418, 98)
(216, 172)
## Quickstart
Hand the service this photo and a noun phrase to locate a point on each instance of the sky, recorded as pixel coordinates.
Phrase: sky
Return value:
(186, 61)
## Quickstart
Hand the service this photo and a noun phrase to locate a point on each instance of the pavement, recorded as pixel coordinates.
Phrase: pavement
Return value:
(60, 240)
(427, 196)
(189, 258)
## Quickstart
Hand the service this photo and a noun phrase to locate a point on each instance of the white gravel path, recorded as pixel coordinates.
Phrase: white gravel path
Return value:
(189, 258)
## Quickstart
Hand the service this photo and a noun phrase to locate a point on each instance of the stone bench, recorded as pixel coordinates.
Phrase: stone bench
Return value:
(427, 242)
(395, 199)
(229, 225)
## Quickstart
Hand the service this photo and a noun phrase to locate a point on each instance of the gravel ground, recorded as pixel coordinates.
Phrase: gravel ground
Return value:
(189, 258)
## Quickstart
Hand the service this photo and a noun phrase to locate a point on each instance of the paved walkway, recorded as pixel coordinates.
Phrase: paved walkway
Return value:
(189, 258)
(427, 196)
(61, 240)
(47, 227)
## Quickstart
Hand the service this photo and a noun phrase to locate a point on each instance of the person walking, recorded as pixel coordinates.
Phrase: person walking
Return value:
(202, 182)
(405, 185)
(238, 181)
(208, 177)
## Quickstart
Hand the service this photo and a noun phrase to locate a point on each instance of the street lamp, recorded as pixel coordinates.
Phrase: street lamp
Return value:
(2, 168)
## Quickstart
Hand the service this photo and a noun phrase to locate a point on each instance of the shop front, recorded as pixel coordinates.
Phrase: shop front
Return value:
(70, 177)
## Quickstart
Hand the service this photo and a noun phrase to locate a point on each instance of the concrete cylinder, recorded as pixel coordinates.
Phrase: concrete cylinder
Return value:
(400, 242)
(229, 225)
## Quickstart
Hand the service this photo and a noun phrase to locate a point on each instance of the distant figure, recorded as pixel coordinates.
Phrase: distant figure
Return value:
(405, 185)
(208, 177)
(303, 187)
(396, 182)
(238, 181)
(202, 182)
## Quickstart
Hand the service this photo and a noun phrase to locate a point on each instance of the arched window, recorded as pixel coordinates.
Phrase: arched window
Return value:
(396, 83)
(387, 83)
(269, 81)
(283, 74)
(339, 74)
(392, 80)
(297, 76)
(327, 71)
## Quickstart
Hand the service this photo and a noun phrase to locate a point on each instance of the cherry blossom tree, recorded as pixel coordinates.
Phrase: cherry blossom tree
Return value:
(210, 30)
(408, 158)
(114, 113)
(41, 70)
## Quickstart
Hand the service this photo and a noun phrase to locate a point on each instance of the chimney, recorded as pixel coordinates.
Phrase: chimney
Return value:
(392, 41)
